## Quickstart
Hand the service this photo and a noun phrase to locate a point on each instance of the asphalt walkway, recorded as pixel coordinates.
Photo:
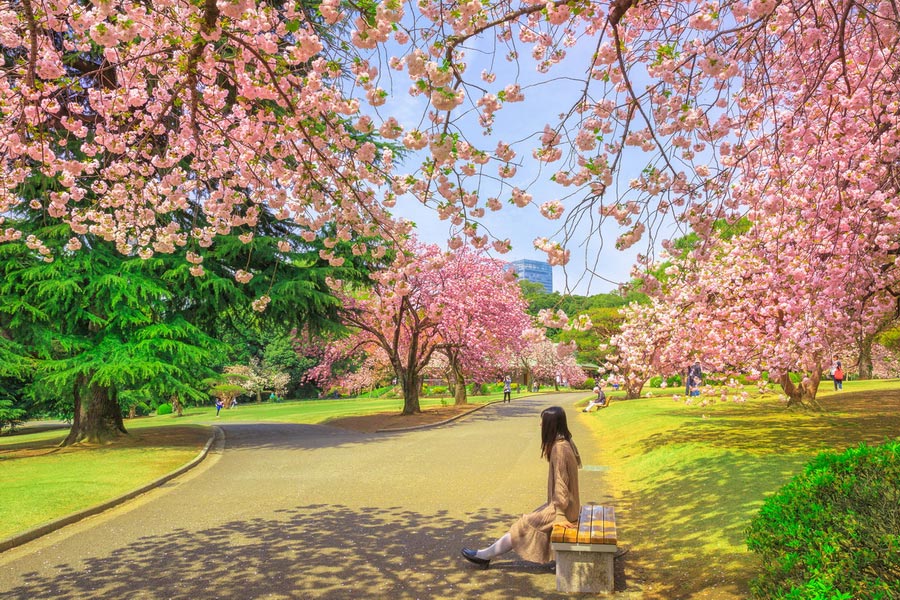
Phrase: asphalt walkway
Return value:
(303, 511)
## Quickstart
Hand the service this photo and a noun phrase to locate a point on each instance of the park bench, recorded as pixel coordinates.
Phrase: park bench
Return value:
(584, 554)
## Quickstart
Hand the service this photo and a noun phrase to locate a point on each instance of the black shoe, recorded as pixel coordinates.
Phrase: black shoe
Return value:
(469, 555)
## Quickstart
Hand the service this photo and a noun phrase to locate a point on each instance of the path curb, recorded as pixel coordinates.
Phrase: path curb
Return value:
(41, 530)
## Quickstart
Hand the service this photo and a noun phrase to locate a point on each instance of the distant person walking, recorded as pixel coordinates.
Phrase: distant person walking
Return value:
(530, 535)
(838, 376)
(507, 389)
(693, 379)
(219, 405)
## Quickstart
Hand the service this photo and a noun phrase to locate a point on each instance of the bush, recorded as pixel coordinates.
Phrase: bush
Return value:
(834, 531)
(588, 384)
(675, 381)
(164, 409)
(655, 382)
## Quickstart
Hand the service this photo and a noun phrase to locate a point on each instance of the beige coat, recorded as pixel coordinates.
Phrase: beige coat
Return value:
(531, 533)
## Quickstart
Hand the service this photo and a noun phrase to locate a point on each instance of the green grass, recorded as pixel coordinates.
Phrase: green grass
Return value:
(304, 411)
(42, 482)
(688, 479)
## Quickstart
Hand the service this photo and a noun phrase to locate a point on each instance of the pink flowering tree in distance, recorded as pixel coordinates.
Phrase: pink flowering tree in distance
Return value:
(643, 345)
(541, 359)
(766, 300)
(483, 314)
(458, 303)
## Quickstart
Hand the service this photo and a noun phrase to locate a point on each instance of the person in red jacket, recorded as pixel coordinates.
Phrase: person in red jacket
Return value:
(838, 376)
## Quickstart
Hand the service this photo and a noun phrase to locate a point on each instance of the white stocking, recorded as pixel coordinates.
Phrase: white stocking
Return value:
(501, 546)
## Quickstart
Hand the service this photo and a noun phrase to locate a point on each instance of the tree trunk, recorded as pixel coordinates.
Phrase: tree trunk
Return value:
(460, 395)
(178, 406)
(802, 394)
(865, 358)
(98, 418)
(633, 386)
(410, 383)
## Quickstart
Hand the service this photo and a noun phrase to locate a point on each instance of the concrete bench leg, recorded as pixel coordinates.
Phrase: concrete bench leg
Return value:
(585, 572)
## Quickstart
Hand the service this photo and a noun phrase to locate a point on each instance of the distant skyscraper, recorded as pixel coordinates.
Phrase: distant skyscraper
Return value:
(536, 271)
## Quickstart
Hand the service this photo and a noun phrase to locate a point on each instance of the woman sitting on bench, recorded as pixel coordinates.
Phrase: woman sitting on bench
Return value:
(530, 535)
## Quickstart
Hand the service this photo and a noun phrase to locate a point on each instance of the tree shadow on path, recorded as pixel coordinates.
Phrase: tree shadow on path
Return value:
(320, 551)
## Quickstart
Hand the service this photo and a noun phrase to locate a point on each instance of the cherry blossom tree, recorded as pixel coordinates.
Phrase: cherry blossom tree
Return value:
(162, 126)
(350, 364)
(765, 299)
(242, 103)
(138, 112)
(541, 359)
(645, 345)
(483, 314)
(458, 303)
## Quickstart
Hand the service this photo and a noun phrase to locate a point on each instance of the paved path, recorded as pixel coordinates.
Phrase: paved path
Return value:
(301, 511)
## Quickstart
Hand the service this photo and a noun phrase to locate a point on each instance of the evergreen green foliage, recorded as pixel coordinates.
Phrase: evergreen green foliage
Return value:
(603, 310)
(834, 531)
(538, 300)
(280, 355)
(164, 409)
(94, 320)
(10, 416)
(93, 324)
(672, 381)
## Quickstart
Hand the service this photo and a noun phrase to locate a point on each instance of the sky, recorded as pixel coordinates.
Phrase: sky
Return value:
(595, 266)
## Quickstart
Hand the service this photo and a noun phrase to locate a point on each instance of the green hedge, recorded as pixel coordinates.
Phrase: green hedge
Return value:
(671, 381)
(833, 532)
(164, 409)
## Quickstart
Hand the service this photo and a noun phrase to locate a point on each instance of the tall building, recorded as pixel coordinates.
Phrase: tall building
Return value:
(536, 271)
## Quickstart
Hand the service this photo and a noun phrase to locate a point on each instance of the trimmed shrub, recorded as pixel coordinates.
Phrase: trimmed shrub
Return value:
(655, 382)
(833, 532)
(164, 409)
(675, 381)
(588, 384)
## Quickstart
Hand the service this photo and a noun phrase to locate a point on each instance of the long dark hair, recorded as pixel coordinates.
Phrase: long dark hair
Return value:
(553, 426)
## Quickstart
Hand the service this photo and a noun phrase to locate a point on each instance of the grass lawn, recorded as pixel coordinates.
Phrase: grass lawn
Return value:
(42, 482)
(687, 480)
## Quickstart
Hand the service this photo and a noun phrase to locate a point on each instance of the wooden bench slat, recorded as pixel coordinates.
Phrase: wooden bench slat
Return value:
(608, 535)
(585, 524)
(596, 525)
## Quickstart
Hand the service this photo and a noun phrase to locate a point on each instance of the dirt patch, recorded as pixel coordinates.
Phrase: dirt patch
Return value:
(393, 420)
